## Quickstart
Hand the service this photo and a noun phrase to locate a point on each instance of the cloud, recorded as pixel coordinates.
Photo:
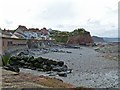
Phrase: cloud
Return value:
(97, 16)
(59, 10)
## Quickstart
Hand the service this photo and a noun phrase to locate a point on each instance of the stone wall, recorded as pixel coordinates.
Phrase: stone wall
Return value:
(13, 44)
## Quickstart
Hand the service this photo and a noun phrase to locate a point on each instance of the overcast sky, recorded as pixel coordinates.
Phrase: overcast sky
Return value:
(99, 17)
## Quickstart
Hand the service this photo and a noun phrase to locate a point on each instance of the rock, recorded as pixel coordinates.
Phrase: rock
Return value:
(48, 62)
(68, 52)
(51, 73)
(22, 63)
(62, 74)
(39, 69)
(69, 71)
(54, 63)
(98, 39)
(47, 68)
(59, 69)
(33, 68)
(80, 37)
(29, 67)
(25, 58)
(54, 50)
(64, 68)
(97, 49)
(72, 46)
(12, 68)
(60, 63)
(31, 58)
(25, 66)
(38, 65)
(23, 53)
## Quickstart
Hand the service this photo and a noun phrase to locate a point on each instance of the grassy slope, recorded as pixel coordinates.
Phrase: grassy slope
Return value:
(62, 36)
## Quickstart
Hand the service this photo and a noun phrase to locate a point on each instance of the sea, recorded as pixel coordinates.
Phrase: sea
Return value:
(111, 39)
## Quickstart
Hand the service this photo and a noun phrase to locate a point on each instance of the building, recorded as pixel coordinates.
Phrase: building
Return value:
(23, 38)
(31, 33)
(12, 44)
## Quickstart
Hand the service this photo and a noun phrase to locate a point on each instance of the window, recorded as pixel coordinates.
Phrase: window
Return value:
(9, 43)
(3, 43)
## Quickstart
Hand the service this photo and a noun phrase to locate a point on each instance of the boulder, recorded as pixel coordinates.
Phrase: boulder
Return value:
(62, 74)
(60, 63)
(25, 66)
(68, 52)
(69, 71)
(58, 69)
(64, 68)
(12, 68)
(48, 68)
(22, 63)
(50, 62)
(33, 68)
(23, 53)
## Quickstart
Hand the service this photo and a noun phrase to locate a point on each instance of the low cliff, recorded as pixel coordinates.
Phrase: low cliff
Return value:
(80, 37)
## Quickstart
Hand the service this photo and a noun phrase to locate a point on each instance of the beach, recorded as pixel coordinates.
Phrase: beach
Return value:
(90, 68)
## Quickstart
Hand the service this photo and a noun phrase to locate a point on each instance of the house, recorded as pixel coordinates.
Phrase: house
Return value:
(45, 34)
(19, 32)
(31, 33)
(34, 33)
(23, 38)
(7, 33)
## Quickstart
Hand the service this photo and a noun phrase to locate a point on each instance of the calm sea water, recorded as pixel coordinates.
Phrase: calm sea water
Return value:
(112, 39)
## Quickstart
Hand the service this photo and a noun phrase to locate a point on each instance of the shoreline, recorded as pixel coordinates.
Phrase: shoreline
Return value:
(90, 68)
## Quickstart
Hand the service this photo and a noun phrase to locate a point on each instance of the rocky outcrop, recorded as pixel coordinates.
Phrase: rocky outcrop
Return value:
(80, 37)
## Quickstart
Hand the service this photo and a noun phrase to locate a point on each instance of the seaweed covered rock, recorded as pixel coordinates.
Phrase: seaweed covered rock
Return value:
(60, 63)
(12, 68)
(40, 64)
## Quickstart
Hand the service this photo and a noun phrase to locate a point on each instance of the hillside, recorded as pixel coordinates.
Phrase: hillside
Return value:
(59, 36)
(97, 39)
(78, 36)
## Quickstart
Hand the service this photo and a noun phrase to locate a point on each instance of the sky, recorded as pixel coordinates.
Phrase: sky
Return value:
(99, 17)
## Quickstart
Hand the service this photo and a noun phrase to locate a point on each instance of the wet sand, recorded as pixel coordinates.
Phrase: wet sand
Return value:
(90, 69)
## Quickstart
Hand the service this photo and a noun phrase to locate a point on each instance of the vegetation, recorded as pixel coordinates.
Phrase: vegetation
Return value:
(62, 36)
(59, 36)
(5, 59)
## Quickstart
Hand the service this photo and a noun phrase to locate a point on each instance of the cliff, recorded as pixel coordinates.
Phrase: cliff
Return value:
(80, 37)
(97, 39)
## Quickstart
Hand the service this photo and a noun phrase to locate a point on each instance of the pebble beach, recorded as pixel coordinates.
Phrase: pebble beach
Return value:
(90, 68)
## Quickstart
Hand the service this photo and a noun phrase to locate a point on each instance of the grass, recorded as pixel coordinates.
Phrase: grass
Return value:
(1, 61)
(5, 59)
